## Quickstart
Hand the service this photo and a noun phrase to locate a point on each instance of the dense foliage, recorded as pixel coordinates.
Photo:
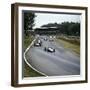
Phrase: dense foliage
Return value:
(66, 28)
(28, 21)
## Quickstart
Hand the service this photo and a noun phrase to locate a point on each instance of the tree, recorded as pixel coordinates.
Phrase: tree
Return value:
(66, 28)
(74, 29)
(28, 21)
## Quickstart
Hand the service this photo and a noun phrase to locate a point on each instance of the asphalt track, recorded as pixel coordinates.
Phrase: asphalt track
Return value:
(60, 62)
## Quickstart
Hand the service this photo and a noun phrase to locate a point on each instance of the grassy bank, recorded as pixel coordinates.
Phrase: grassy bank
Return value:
(27, 41)
(29, 72)
(73, 40)
(69, 45)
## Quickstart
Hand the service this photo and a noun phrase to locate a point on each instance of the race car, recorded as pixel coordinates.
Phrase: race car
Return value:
(49, 49)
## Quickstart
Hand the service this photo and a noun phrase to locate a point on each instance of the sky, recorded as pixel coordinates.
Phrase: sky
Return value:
(45, 18)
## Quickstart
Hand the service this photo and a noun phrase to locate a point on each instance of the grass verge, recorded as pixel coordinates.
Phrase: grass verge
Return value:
(68, 45)
(70, 40)
(27, 41)
(28, 71)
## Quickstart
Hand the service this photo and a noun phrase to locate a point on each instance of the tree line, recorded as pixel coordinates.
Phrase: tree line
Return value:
(66, 28)
(29, 22)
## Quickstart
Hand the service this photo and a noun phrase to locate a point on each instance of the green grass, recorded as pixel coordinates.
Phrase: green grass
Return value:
(28, 71)
(70, 40)
(27, 41)
(68, 45)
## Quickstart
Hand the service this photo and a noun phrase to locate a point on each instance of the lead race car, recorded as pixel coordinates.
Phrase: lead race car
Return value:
(49, 49)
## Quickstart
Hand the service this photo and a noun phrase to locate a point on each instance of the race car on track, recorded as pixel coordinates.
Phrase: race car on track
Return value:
(38, 43)
(49, 49)
(45, 39)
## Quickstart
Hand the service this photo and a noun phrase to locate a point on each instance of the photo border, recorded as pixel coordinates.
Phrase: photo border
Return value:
(14, 43)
